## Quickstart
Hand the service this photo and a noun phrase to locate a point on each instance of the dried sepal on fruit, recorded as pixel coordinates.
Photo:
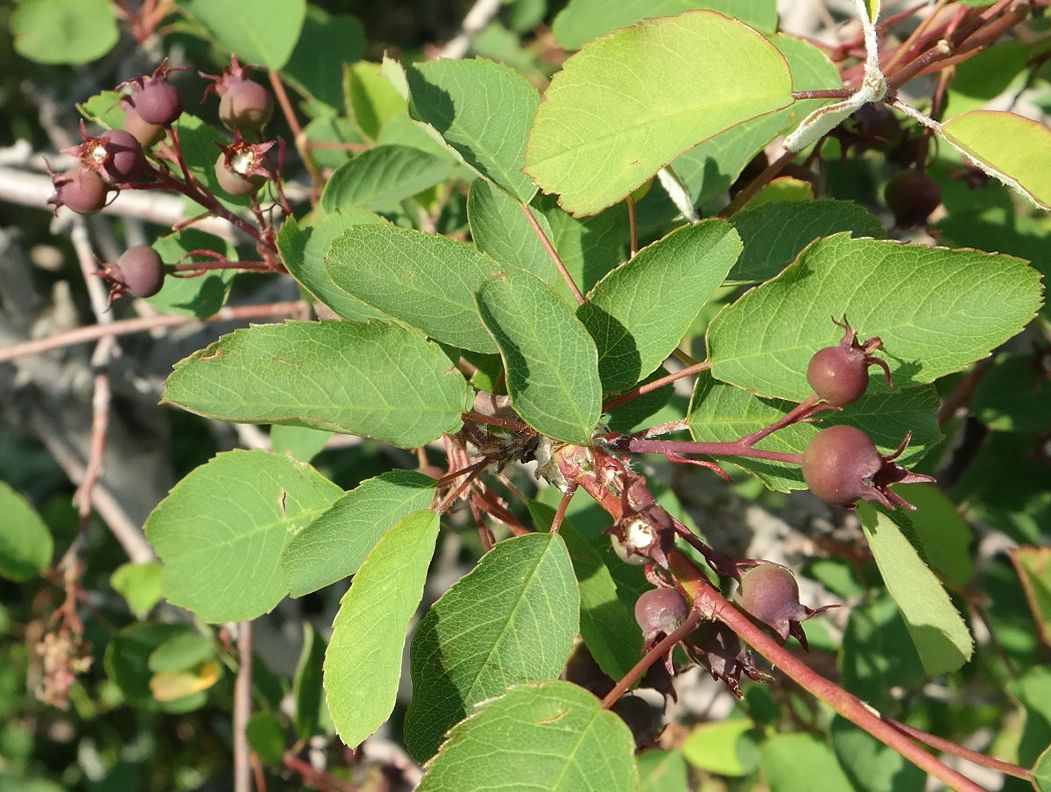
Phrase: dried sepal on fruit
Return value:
(242, 168)
(839, 374)
(244, 104)
(717, 648)
(770, 593)
(115, 155)
(842, 465)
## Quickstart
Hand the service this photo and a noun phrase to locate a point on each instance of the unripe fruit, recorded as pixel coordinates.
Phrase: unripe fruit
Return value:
(147, 134)
(123, 160)
(140, 271)
(157, 101)
(81, 189)
(234, 183)
(660, 611)
(770, 593)
(840, 463)
(245, 105)
(839, 375)
(912, 195)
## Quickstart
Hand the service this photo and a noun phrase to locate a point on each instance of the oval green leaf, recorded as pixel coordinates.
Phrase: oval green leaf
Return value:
(383, 177)
(640, 311)
(222, 529)
(335, 545)
(913, 297)
(524, 633)
(483, 110)
(363, 659)
(1014, 149)
(26, 545)
(796, 762)
(374, 379)
(262, 31)
(939, 633)
(423, 280)
(547, 738)
(550, 359)
(629, 103)
(64, 31)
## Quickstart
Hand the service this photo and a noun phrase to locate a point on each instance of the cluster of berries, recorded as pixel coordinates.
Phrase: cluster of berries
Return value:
(117, 159)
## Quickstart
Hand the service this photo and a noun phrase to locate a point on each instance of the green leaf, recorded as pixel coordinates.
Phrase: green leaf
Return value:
(912, 297)
(303, 250)
(727, 748)
(550, 359)
(199, 296)
(199, 143)
(1033, 565)
(336, 543)
(798, 762)
(582, 20)
(941, 637)
(774, 234)
(520, 608)
(500, 229)
(302, 443)
(628, 104)
(639, 312)
(311, 715)
(126, 658)
(373, 379)
(266, 737)
(607, 625)
(1017, 150)
(1013, 395)
(869, 764)
(373, 100)
(139, 584)
(25, 541)
(424, 280)
(263, 31)
(383, 177)
(483, 110)
(363, 660)
(222, 529)
(316, 65)
(181, 653)
(943, 535)
(1042, 772)
(878, 654)
(104, 109)
(589, 246)
(63, 31)
(723, 413)
(551, 737)
(662, 771)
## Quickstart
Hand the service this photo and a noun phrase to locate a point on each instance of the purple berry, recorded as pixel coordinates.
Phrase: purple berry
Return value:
(123, 159)
(839, 464)
(157, 101)
(660, 612)
(244, 105)
(81, 189)
(770, 593)
(140, 271)
(912, 195)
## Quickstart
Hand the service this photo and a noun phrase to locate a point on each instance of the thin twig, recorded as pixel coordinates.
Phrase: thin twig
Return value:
(657, 384)
(243, 709)
(560, 265)
(948, 746)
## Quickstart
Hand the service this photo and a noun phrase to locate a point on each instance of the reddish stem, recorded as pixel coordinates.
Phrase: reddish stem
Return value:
(657, 384)
(941, 744)
(680, 447)
(556, 259)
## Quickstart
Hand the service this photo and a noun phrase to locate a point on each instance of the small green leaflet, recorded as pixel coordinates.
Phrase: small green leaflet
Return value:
(26, 545)
(553, 737)
(263, 31)
(222, 529)
(500, 229)
(311, 711)
(796, 762)
(629, 103)
(550, 359)
(363, 659)
(383, 177)
(524, 633)
(940, 635)
(377, 380)
(913, 297)
(728, 747)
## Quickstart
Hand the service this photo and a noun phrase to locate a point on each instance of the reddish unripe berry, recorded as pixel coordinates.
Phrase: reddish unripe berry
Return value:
(232, 182)
(660, 610)
(140, 271)
(147, 134)
(157, 101)
(81, 189)
(839, 375)
(124, 159)
(245, 105)
(912, 195)
(840, 463)
(770, 593)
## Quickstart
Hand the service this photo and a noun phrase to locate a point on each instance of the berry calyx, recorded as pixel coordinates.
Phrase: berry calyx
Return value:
(81, 189)
(770, 593)
(244, 105)
(842, 465)
(717, 648)
(839, 374)
(242, 168)
(659, 612)
(154, 98)
(116, 155)
(139, 271)
(912, 195)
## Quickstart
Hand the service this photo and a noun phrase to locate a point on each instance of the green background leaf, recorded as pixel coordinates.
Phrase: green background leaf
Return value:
(662, 771)
(424, 280)
(201, 295)
(363, 660)
(941, 637)
(25, 541)
(627, 104)
(139, 584)
(1033, 565)
(550, 359)
(797, 762)
(728, 748)
(554, 737)
(222, 529)
(262, 31)
(764, 341)
(383, 177)
(64, 31)
(335, 544)
(640, 311)
(520, 608)
(372, 379)
(483, 110)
